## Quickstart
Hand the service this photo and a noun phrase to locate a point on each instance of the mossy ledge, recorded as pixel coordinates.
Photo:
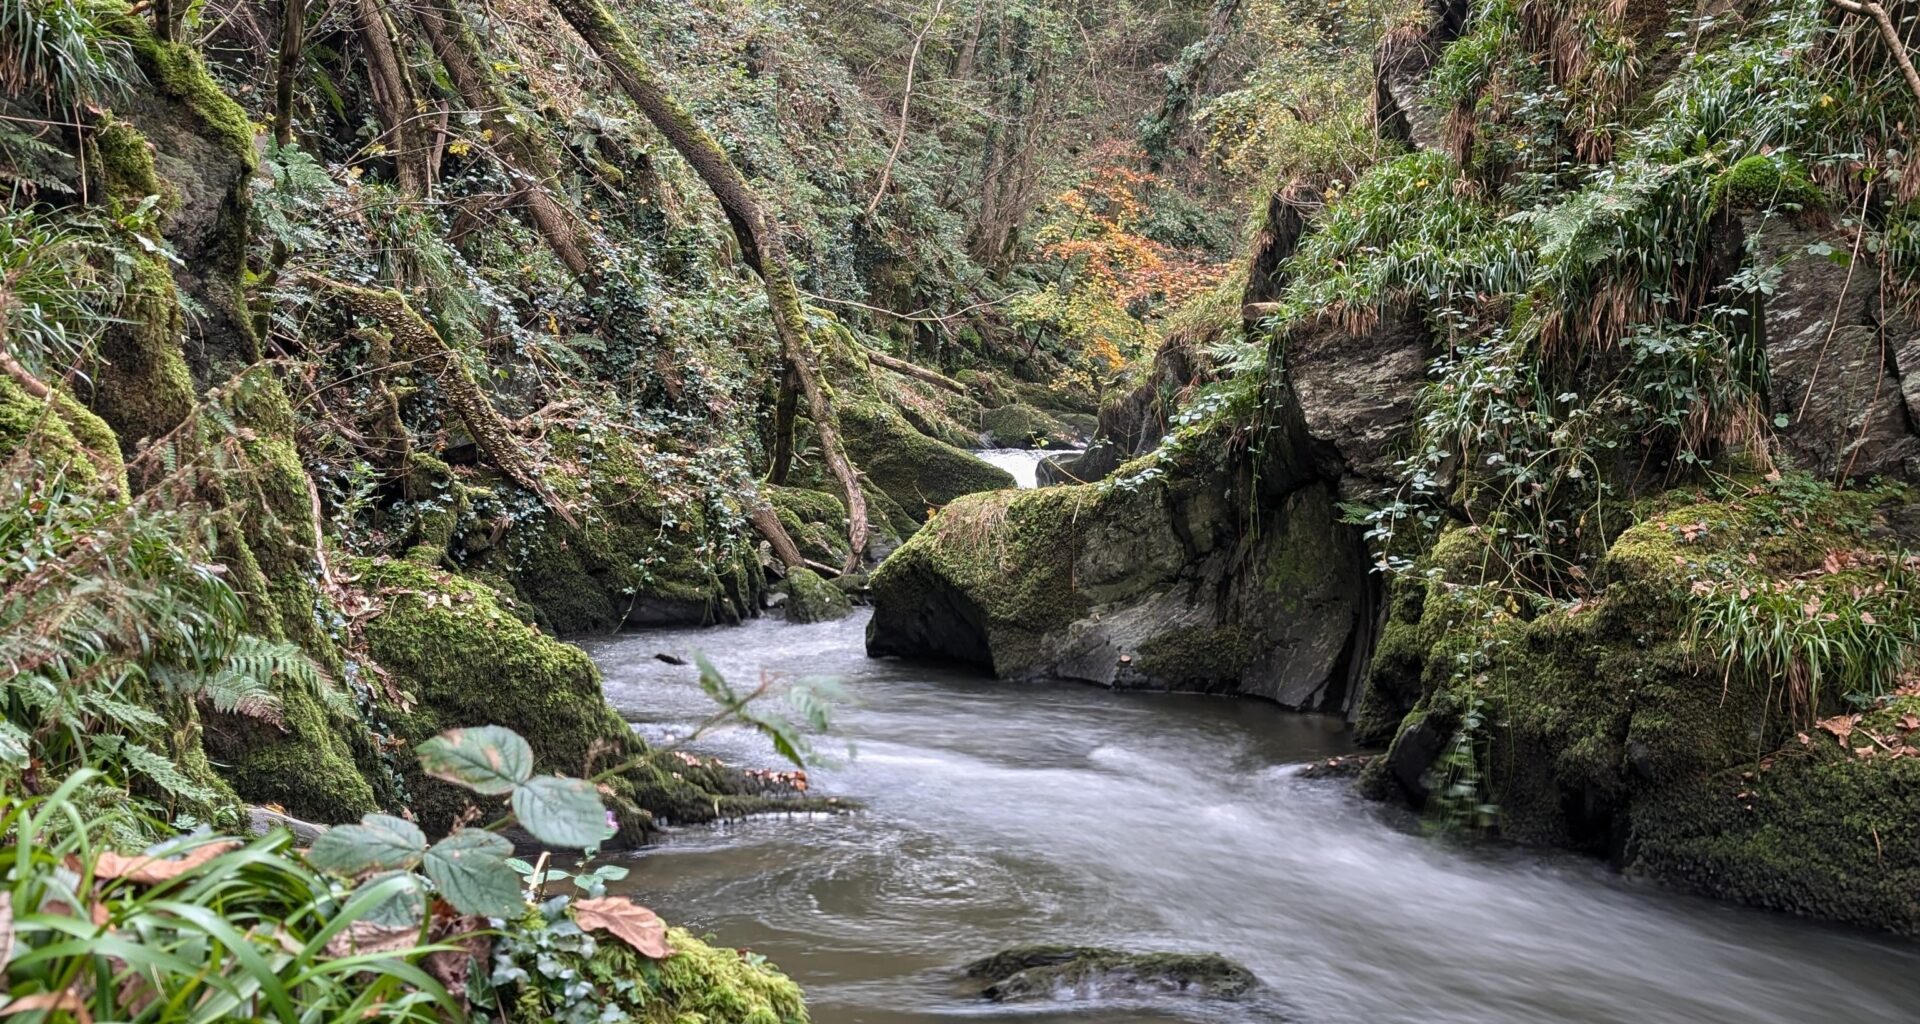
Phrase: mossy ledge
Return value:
(1610, 729)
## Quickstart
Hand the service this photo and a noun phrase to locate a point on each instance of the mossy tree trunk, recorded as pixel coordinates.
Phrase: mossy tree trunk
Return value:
(527, 160)
(1184, 79)
(759, 237)
(785, 407)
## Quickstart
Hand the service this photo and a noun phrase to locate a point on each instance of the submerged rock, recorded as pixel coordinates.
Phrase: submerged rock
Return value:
(1061, 973)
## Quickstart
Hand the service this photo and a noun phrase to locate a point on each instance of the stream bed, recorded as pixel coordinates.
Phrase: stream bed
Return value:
(999, 814)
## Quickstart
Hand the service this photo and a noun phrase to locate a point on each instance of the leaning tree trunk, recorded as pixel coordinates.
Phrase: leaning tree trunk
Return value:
(759, 237)
(526, 158)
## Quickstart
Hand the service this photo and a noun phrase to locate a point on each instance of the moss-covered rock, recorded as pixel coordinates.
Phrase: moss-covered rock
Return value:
(916, 471)
(1611, 726)
(699, 984)
(1024, 426)
(1155, 584)
(652, 547)
(816, 520)
(1763, 182)
(462, 659)
(1819, 831)
(812, 599)
(63, 434)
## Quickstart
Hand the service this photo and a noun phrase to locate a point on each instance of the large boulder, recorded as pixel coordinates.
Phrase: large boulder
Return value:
(1156, 582)
(919, 473)
(1024, 426)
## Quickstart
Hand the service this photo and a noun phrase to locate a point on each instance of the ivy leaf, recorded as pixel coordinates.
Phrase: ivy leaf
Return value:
(561, 811)
(630, 922)
(489, 760)
(381, 842)
(470, 868)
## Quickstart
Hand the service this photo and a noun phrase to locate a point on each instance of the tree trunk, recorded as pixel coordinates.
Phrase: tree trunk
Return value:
(293, 38)
(767, 522)
(758, 236)
(393, 97)
(527, 160)
(784, 410)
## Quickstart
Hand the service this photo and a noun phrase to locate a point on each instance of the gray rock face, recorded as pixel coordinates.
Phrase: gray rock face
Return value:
(1356, 393)
(1073, 973)
(1846, 381)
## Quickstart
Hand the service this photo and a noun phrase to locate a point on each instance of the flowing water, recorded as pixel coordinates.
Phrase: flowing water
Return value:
(999, 814)
(1023, 463)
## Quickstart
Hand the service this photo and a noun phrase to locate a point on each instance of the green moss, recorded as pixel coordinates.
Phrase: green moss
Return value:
(812, 599)
(816, 520)
(1024, 426)
(1817, 832)
(914, 470)
(466, 661)
(1043, 973)
(1608, 730)
(648, 547)
(180, 74)
(1197, 657)
(698, 984)
(1764, 183)
(142, 388)
(126, 169)
(62, 434)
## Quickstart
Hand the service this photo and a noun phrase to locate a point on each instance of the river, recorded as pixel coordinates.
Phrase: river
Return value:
(1000, 814)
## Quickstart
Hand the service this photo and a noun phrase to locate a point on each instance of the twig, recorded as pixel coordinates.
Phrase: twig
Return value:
(1888, 31)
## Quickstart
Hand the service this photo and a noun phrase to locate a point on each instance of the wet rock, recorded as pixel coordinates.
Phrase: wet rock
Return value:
(1063, 973)
(1099, 460)
(812, 599)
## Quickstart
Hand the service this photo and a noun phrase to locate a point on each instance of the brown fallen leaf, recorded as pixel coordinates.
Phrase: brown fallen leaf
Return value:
(67, 1001)
(145, 870)
(1841, 726)
(628, 921)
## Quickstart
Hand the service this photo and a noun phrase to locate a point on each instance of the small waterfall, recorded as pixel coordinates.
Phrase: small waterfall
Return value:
(1023, 463)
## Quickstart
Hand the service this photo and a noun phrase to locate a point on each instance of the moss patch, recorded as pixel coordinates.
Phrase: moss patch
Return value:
(913, 469)
(812, 599)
